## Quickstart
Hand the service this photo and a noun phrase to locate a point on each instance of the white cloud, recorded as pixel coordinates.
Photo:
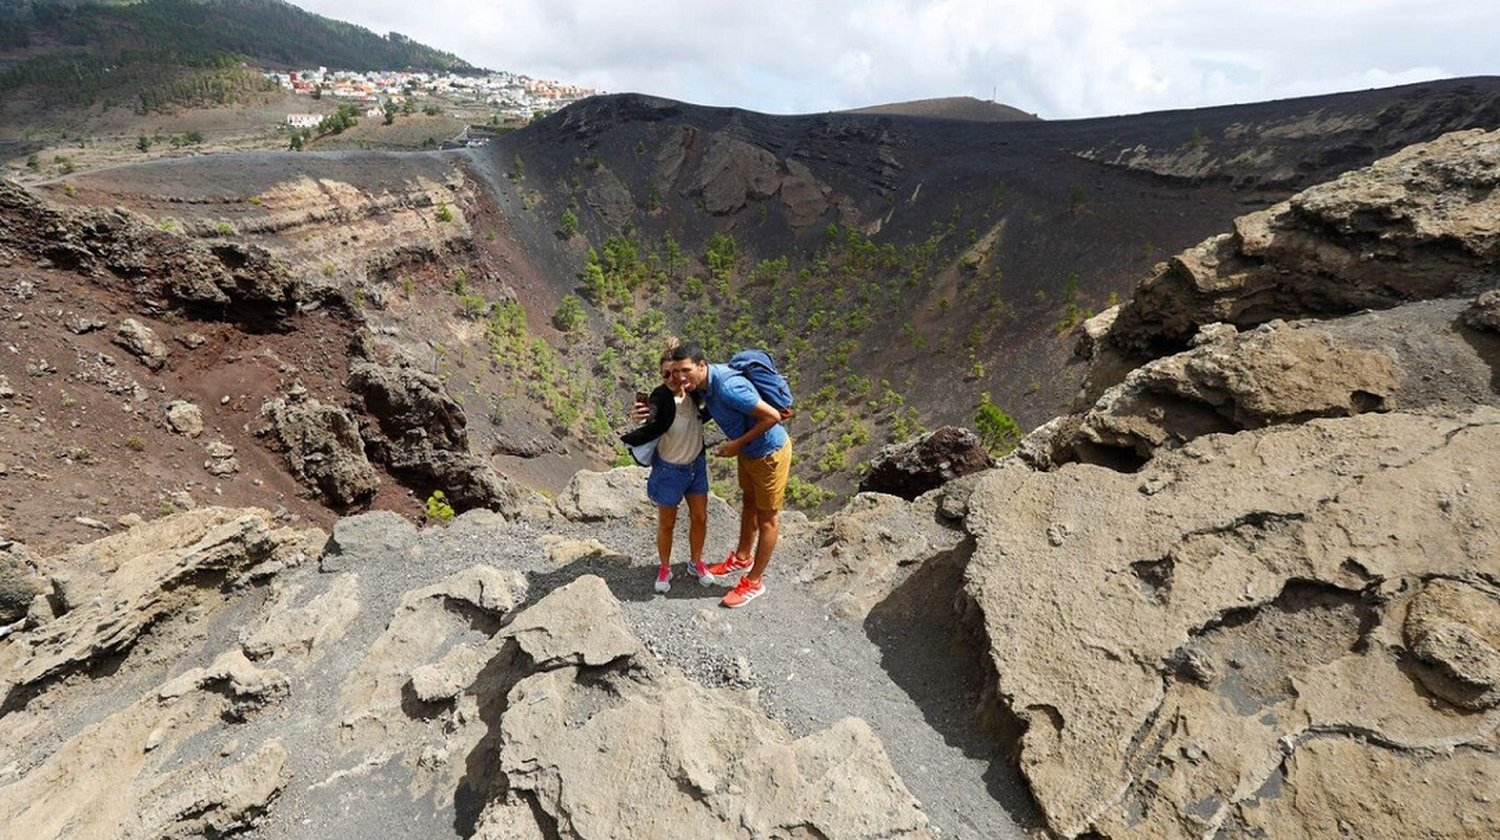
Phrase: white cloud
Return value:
(1067, 58)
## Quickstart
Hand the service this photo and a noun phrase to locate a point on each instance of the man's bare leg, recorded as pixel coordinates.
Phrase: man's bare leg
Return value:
(768, 529)
(748, 519)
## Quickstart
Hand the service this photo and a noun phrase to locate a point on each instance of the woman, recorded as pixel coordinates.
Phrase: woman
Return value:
(671, 442)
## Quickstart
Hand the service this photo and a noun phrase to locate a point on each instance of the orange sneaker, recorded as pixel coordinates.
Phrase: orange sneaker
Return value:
(732, 564)
(743, 593)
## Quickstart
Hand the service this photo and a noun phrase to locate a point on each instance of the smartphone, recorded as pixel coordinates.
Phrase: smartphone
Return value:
(640, 396)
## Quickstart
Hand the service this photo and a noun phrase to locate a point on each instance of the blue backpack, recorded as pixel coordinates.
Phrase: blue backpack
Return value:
(758, 367)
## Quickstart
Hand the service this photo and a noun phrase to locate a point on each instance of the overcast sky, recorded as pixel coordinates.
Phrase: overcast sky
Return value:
(1070, 58)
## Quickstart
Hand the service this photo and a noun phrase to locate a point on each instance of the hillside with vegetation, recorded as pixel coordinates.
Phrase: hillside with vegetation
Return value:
(163, 53)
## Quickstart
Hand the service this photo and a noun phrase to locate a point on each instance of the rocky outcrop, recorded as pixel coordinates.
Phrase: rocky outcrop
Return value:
(1418, 224)
(1273, 374)
(600, 713)
(109, 593)
(912, 468)
(224, 279)
(421, 435)
(322, 447)
(1174, 639)
(133, 789)
(1265, 602)
(731, 173)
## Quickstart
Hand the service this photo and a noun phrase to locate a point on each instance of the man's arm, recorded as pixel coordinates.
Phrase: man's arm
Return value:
(765, 417)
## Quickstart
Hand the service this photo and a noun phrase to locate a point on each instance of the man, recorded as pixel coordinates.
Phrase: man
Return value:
(764, 452)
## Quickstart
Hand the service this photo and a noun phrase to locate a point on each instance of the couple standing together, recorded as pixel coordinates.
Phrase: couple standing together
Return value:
(693, 391)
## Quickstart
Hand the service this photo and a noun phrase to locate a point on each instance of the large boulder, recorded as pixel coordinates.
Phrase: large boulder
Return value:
(322, 447)
(185, 418)
(1412, 357)
(406, 401)
(1174, 639)
(596, 737)
(613, 494)
(912, 468)
(873, 545)
(1273, 374)
(421, 434)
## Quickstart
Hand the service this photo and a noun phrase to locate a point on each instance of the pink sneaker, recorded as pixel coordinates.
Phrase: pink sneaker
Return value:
(663, 578)
(696, 568)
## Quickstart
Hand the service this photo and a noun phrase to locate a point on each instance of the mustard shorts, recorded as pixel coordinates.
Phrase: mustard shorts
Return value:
(763, 479)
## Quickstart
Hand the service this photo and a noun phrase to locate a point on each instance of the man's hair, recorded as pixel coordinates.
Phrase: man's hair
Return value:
(676, 351)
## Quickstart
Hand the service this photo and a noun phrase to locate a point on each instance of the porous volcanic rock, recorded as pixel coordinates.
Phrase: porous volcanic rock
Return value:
(420, 434)
(1484, 313)
(141, 342)
(1273, 374)
(185, 418)
(112, 591)
(1173, 639)
(19, 582)
(912, 468)
(407, 401)
(613, 494)
(227, 279)
(874, 544)
(1418, 224)
(322, 447)
(597, 739)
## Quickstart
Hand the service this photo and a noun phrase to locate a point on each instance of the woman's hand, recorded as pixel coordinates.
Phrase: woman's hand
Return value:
(641, 413)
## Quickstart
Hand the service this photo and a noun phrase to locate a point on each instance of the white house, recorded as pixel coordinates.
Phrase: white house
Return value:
(303, 120)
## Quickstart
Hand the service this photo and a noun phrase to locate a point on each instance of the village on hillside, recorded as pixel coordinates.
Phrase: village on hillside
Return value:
(515, 97)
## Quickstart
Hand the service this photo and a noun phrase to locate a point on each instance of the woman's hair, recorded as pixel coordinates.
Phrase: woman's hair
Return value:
(676, 351)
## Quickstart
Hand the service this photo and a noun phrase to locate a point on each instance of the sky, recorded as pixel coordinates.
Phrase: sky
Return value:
(1063, 59)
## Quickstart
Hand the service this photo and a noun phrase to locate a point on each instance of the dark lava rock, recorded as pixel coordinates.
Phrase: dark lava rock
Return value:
(910, 469)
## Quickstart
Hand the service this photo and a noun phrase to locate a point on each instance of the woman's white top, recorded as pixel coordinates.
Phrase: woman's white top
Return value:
(682, 443)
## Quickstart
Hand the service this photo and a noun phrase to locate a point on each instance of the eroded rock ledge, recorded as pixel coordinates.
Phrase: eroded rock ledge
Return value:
(1173, 638)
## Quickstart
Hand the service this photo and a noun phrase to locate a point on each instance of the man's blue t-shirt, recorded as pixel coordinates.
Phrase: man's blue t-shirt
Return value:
(730, 399)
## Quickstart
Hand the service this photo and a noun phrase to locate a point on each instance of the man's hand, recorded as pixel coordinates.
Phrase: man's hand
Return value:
(729, 449)
(641, 413)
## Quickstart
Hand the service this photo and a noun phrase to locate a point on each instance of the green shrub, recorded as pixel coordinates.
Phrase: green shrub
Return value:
(569, 224)
(569, 316)
(997, 430)
(443, 213)
(438, 509)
